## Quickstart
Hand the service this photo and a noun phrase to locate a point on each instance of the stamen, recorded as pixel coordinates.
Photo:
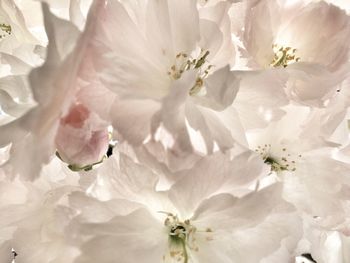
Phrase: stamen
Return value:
(284, 162)
(184, 62)
(283, 56)
(202, 60)
(7, 29)
(181, 238)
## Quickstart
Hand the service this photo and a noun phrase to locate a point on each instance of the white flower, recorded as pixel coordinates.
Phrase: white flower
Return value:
(196, 220)
(171, 78)
(309, 40)
(313, 179)
(163, 65)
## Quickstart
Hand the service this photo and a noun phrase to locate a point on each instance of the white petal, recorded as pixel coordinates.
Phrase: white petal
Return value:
(137, 237)
(132, 118)
(213, 174)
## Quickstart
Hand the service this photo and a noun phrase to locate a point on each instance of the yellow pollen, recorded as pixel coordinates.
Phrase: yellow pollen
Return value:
(7, 29)
(278, 164)
(184, 62)
(181, 238)
(283, 56)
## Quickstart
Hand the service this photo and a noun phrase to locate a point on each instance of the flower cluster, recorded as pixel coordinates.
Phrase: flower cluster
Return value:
(175, 131)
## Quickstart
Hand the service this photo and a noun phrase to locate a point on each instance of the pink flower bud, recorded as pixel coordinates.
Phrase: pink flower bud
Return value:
(82, 137)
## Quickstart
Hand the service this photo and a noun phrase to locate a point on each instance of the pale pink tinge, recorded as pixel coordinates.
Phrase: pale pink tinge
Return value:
(82, 137)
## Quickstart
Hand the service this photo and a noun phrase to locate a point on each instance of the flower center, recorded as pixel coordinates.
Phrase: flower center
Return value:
(283, 56)
(181, 237)
(6, 29)
(285, 162)
(184, 62)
